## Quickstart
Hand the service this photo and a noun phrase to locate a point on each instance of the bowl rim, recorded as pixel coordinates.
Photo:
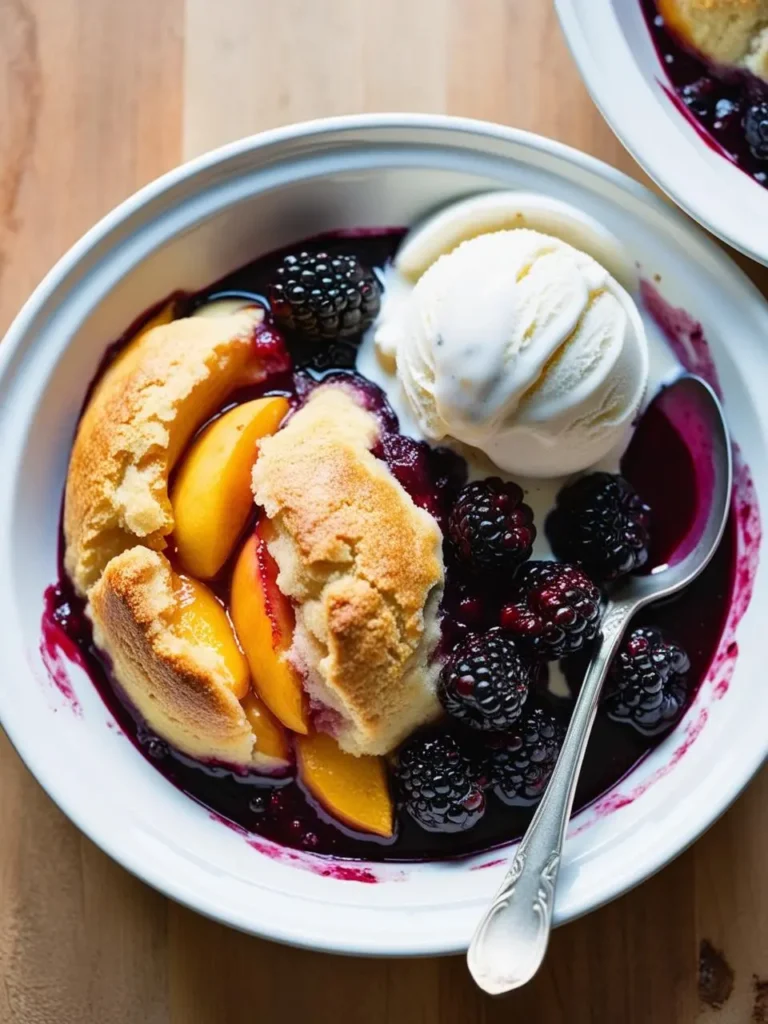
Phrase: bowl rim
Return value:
(11, 349)
(639, 134)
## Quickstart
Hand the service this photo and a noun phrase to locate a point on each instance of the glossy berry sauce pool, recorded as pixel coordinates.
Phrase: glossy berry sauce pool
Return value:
(278, 809)
(714, 100)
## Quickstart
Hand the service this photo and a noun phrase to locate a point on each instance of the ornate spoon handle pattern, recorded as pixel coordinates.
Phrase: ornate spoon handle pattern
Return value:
(509, 945)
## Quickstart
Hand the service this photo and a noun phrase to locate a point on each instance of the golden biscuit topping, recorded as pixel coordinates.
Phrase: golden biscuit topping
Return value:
(181, 682)
(144, 411)
(363, 565)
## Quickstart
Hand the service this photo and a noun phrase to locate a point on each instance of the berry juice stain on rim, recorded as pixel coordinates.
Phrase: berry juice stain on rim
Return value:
(470, 788)
(727, 107)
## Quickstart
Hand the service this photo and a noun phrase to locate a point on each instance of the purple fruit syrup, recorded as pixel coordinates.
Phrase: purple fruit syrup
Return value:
(279, 809)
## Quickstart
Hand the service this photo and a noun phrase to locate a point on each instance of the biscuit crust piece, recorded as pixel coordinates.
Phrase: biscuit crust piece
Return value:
(727, 32)
(363, 566)
(144, 410)
(181, 687)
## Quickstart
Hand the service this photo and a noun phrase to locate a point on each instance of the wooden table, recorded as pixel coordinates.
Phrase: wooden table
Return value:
(96, 98)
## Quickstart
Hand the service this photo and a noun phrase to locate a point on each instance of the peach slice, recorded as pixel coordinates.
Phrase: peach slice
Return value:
(211, 496)
(271, 751)
(200, 618)
(352, 789)
(264, 621)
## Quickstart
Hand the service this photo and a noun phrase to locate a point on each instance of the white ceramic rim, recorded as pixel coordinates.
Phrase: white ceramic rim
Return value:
(745, 761)
(657, 135)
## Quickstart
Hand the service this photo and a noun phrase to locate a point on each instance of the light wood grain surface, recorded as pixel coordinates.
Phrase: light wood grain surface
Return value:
(96, 98)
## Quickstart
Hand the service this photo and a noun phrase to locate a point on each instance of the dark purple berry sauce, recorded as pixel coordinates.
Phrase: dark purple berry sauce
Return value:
(279, 809)
(728, 107)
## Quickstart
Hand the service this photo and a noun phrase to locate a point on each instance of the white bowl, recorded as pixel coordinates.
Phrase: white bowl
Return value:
(186, 230)
(612, 46)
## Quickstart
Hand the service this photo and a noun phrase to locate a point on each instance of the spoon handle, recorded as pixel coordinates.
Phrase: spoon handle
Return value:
(511, 940)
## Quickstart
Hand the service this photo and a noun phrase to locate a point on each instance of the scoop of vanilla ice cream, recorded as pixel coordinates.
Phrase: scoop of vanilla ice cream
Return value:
(522, 346)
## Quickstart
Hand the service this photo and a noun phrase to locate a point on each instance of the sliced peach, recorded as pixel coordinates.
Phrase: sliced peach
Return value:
(199, 617)
(271, 750)
(211, 496)
(352, 789)
(264, 622)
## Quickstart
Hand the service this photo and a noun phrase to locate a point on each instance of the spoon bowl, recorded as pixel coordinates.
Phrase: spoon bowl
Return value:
(511, 940)
(696, 412)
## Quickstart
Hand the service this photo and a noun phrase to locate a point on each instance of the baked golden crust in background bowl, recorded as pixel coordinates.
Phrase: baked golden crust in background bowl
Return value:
(727, 32)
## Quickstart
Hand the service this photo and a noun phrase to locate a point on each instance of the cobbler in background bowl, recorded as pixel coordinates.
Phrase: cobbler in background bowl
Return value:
(683, 85)
(716, 58)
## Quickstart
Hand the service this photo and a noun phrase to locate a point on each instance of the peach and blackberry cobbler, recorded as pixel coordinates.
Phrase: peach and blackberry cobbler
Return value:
(360, 638)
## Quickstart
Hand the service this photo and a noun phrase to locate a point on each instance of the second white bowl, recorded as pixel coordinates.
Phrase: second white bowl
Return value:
(612, 46)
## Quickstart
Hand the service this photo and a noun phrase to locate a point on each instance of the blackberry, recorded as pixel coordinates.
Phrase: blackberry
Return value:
(646, 683)
(699, 96)
(324, 298)
(523, 760)
(441, 785)
(485, 681)
(154, 747)
(600, 523)
(409, 462)
(756, 129)
(336, 355)
(556, 610)
(258, 803)
(464, 611)
(727, 115)
(491, 526)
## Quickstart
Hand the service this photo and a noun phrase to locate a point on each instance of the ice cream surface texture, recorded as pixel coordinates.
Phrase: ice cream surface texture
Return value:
(517, 343)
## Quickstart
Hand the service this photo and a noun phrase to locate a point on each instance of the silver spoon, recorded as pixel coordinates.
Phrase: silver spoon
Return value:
(511, 940)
